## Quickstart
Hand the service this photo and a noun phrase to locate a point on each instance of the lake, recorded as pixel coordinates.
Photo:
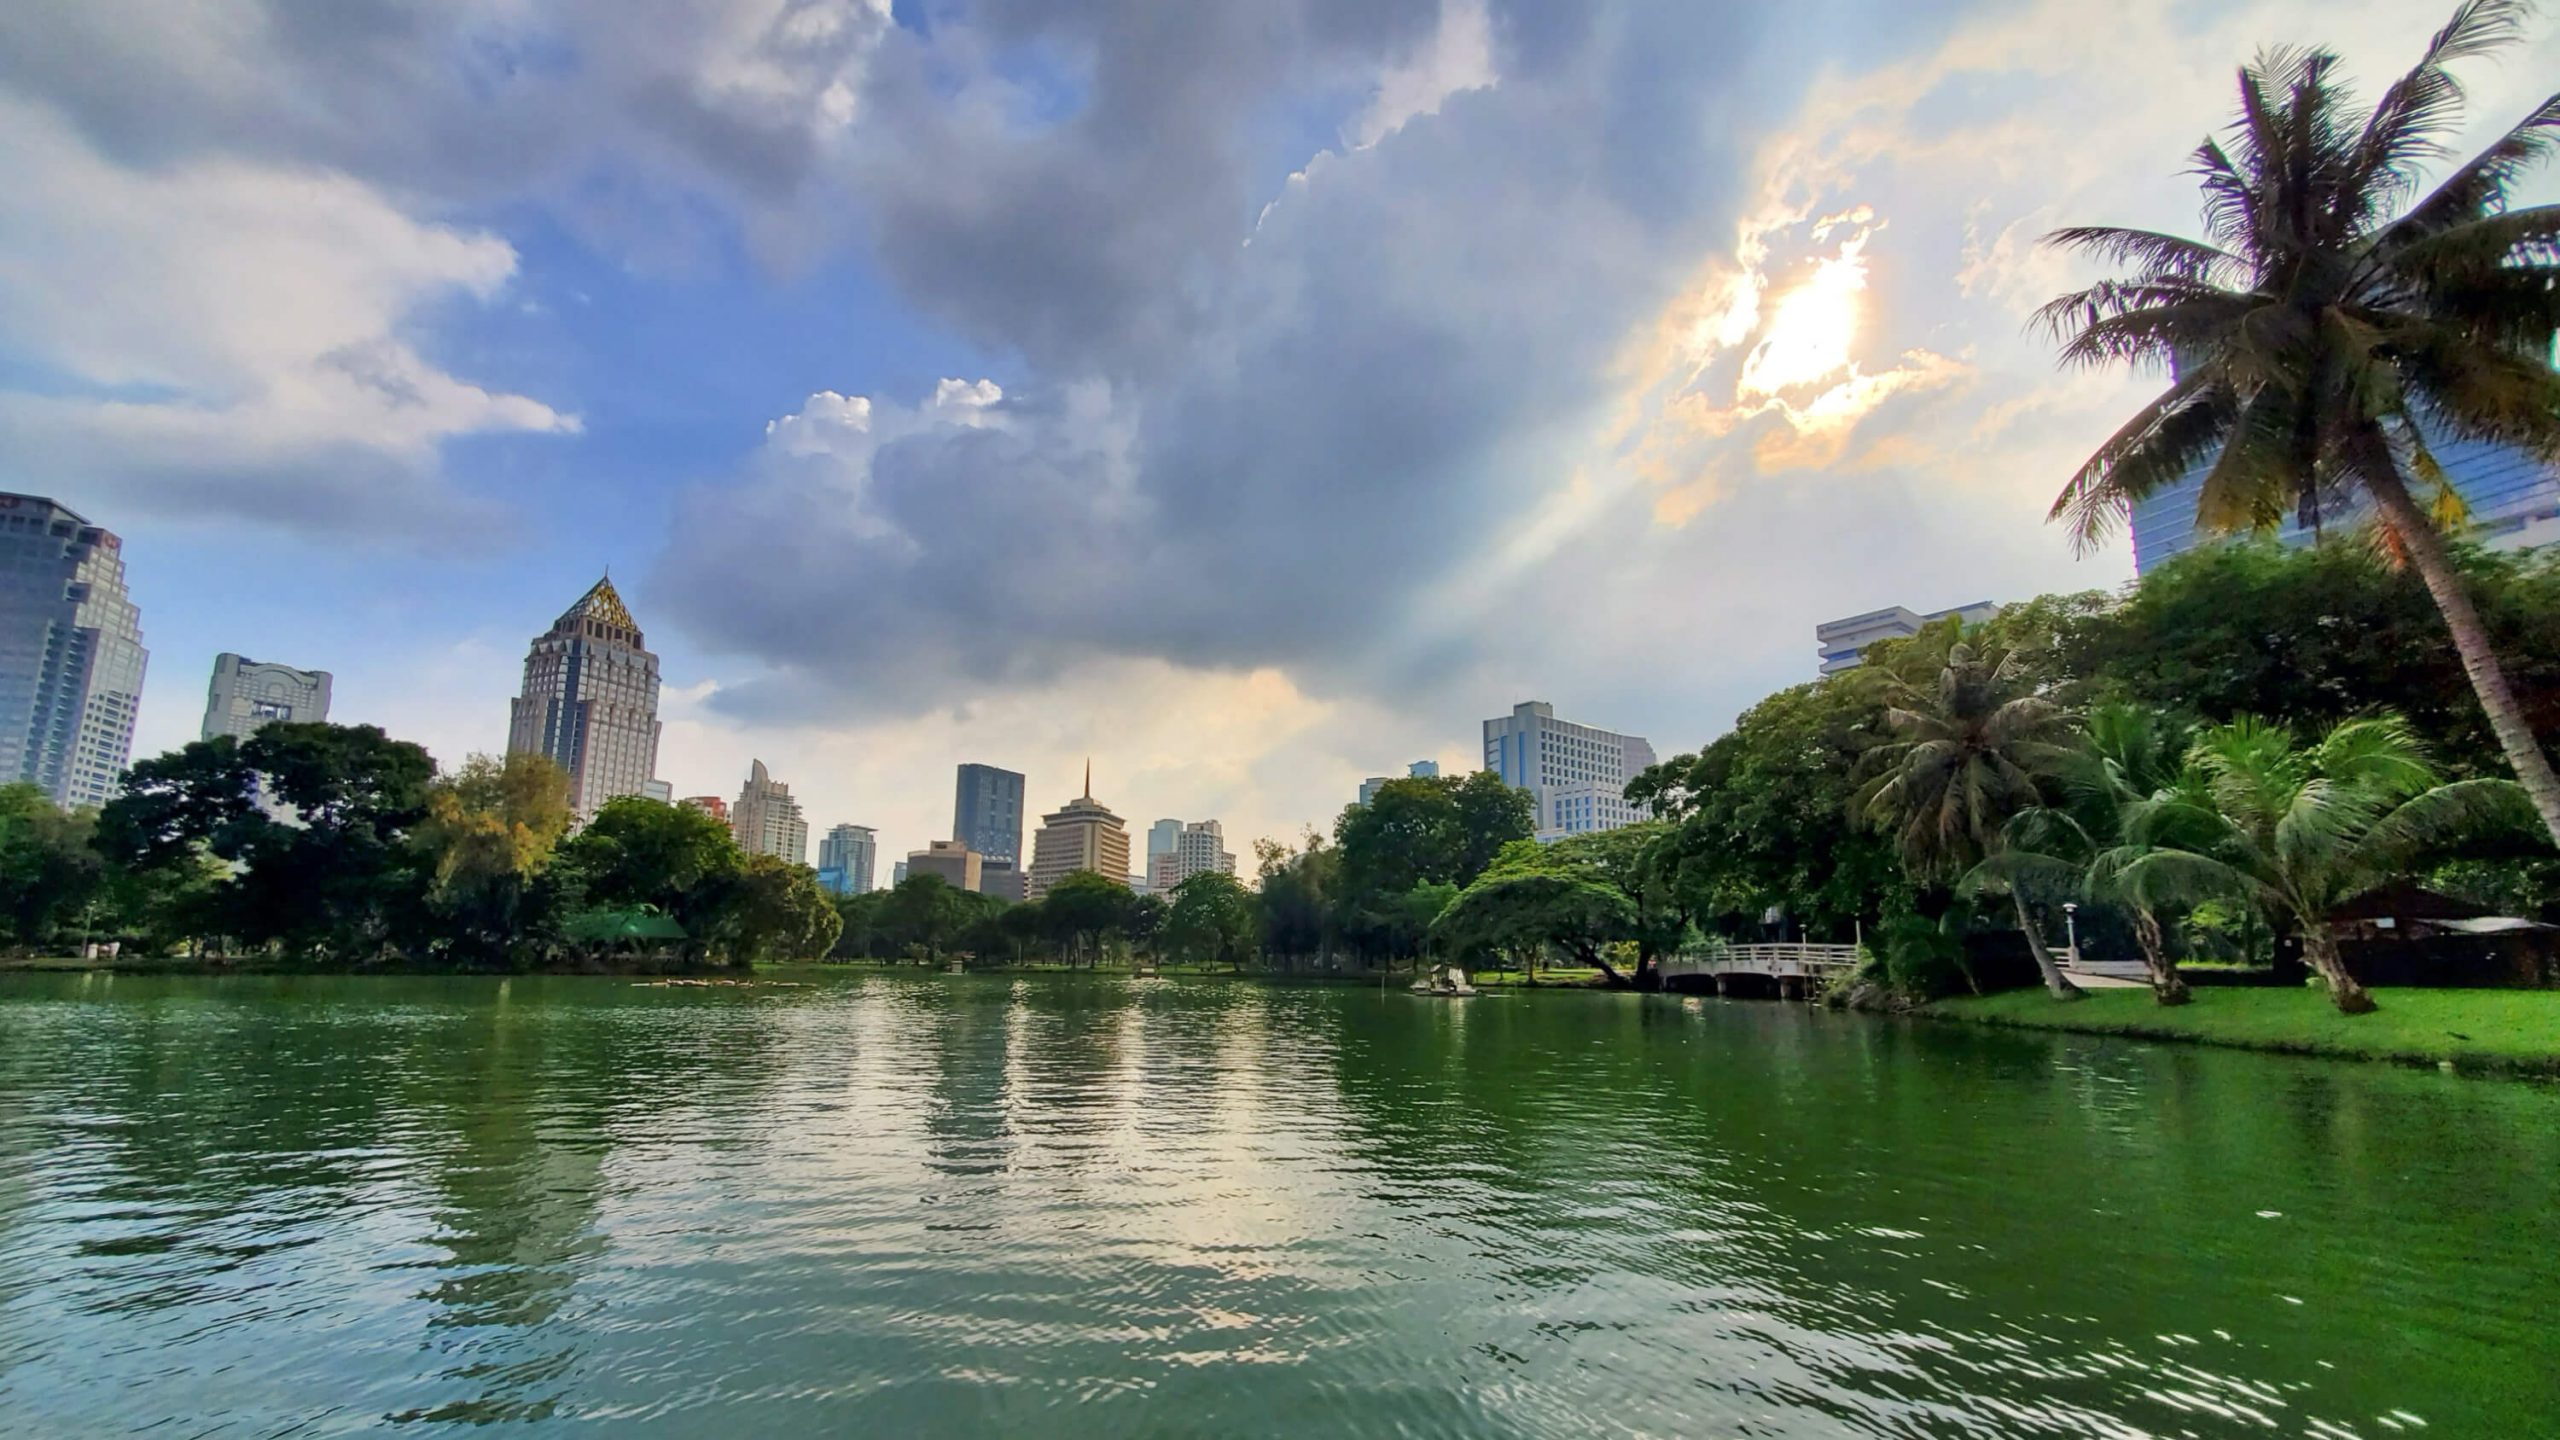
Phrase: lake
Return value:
(1102, 1206)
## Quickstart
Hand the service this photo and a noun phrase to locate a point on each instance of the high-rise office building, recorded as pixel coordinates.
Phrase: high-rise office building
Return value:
(1199, 848)
(248, 695)
(848, 852)
(1005, 882)
(71, 653)
(1162, 837)
(1575, 774)
(957, 864)
(1844, 642)
(1082, 834)
(590, 701)
(767, 820)
(986, 814)
(2514, 501)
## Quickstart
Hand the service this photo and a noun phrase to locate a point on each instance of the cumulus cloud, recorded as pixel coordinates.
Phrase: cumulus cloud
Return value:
(222, 336)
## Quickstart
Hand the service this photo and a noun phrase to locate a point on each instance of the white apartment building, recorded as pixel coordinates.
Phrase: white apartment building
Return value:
(1199, 848)
(1575, 774)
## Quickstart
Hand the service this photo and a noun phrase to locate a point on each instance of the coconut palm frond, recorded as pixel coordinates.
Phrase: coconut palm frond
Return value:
(2434, 820)
(2158, 448)
(2479, 186)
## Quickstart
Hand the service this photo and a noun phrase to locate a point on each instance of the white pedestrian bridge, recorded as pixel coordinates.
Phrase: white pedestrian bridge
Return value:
(1790, 969)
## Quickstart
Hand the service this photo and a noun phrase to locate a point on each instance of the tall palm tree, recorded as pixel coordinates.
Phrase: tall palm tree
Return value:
(1971, 749)
(2299, 831)
(2128, 762)
(2337, 320)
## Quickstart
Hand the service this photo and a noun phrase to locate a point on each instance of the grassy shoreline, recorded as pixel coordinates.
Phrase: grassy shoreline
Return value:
(2514, 1032)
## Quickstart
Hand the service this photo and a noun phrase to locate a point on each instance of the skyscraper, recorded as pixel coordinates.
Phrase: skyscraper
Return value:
(1082, 834)
(248, 695)
(590, 701)
(957, 864)
(71, 654)
(2514, 501)
(1199, 848)
(1162, 838)
(986, 814)
(1576, 774)
(767, 820)
(849, 850)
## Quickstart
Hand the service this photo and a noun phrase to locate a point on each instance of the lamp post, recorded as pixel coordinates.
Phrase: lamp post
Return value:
(2071, 927)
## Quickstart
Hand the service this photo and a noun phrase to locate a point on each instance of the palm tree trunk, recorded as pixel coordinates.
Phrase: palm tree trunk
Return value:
(2167, 986)
(2054, 980)
(2470, 639)
(2321, 949)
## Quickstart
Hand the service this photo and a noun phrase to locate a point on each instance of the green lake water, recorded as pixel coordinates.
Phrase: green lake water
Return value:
(1095, 1206)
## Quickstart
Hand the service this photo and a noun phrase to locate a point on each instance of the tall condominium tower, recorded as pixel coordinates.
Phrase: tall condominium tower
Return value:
(986, 815)
(71, 655)
(247, 695)
(767, 820)
(1199, 848)
(847, 853)
(1162, 837)
(1082, 834)
(590, 701)
(1577, 774)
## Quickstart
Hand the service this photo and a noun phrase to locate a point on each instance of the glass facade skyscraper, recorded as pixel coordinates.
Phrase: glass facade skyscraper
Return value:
(986, 813)
(2514, 500)
(71, 653)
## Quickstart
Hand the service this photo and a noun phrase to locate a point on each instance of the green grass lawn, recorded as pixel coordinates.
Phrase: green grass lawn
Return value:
(2474, 1029)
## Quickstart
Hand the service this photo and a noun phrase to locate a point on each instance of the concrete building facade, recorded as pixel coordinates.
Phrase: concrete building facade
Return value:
(1199, 848)
(1844, 642)
(1082, 834)
(590, 701)
(1418, 770)
(767, 820)
(1576, 775)
(71, 653)
(711, 805)
(959, 866)
(849, 851)
(986, 812)
(248, 695)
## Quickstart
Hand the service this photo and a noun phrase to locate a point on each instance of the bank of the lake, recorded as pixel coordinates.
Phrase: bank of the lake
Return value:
(2509, 1031)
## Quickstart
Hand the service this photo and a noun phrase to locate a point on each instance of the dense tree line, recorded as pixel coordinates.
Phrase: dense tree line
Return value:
(338, 845)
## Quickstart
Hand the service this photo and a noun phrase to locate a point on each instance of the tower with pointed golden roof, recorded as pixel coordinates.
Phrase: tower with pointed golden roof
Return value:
(590, 701)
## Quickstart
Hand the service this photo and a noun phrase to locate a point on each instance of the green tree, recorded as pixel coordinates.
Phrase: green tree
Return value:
(2338, 321)
(488, 835)
(1082, 908)
(1968, 755)
(1518, 912)
(1212, 921)
(2298, 831)
(772, 910)
(50, 873)
(926, 913)
(646, 855)
(1297, 896)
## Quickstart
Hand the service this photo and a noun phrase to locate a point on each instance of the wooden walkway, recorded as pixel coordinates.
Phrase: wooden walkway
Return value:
(1791, 968)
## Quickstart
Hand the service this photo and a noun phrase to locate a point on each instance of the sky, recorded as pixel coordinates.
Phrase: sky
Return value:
(1249, 398)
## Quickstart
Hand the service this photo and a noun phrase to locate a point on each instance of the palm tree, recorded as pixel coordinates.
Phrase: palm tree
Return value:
(2337, 319)
(1969, 753)
(2129, 759)
(2298, 832)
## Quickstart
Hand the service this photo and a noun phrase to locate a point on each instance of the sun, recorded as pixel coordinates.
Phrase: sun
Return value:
(1808, 339)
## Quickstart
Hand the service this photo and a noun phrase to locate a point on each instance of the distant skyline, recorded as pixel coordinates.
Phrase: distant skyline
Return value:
(1253, 399)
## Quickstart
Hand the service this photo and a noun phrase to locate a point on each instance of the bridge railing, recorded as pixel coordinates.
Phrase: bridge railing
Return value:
(1786, 959)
